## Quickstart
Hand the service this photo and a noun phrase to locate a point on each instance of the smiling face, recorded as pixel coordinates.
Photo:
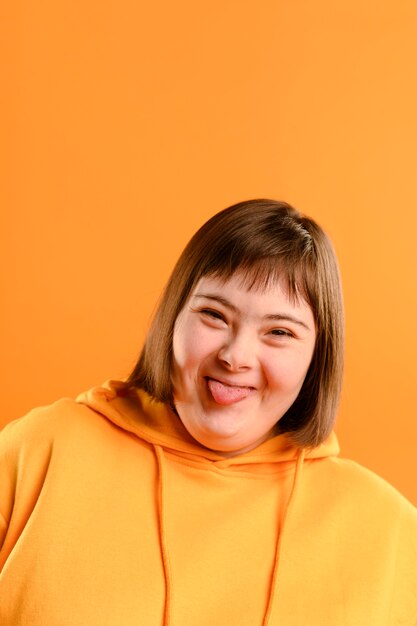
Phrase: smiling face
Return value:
(239, 361)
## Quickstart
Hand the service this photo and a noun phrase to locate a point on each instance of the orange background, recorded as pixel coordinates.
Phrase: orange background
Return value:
(127, 124)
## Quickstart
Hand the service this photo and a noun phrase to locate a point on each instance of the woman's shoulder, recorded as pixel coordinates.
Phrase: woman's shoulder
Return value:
(45, 424)
(102, 414)
(44, 416)
(356, 486)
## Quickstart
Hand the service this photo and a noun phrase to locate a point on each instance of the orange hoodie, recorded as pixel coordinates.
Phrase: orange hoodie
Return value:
(111, 515)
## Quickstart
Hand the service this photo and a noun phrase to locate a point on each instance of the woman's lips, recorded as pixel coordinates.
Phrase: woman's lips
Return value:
(226, 394)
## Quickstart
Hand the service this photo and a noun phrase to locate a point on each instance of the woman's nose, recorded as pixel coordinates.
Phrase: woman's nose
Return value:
(238, 352)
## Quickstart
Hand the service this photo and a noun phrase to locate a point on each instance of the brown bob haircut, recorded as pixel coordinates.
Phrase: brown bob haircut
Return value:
(265, 241)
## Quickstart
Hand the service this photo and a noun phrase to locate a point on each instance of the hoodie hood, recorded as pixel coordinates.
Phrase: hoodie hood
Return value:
(135, 411)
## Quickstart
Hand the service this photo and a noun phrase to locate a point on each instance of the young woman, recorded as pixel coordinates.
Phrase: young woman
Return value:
(207, 489)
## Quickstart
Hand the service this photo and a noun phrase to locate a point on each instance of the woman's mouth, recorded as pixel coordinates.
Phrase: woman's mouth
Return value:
(225, 394)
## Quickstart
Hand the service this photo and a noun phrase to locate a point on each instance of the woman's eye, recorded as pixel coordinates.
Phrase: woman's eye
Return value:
(280, 332)
(213, 314)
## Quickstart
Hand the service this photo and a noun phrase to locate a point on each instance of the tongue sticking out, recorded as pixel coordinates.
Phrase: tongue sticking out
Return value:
(226, 394)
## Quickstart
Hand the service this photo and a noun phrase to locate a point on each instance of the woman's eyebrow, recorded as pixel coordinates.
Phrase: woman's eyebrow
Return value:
(216, 297)
(278, 317)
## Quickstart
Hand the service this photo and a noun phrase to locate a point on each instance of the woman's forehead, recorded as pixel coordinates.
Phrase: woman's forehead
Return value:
(256, 282)
(238, 284)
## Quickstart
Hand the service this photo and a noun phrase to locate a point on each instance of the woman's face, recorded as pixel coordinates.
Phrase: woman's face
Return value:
(240, 359)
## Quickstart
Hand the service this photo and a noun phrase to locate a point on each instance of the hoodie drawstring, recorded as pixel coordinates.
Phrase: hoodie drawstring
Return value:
(274, 581)
(159, 454)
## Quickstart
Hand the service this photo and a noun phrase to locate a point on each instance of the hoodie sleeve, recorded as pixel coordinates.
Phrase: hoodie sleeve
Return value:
(24, 455)
(404, 597)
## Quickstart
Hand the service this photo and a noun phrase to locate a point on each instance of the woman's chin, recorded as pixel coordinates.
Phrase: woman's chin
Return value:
(228, 438)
